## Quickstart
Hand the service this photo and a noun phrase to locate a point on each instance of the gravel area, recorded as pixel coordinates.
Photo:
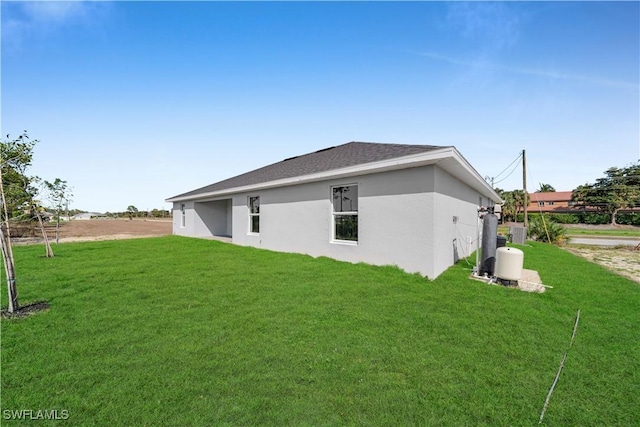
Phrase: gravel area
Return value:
(621, 260)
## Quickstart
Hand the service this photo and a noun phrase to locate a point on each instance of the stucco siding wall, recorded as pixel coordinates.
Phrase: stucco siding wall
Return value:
(188, 229)
(454, 199)
(396, 218)
(389, 235)
(298, 220)
(292, 219)
(405, 218)
(394, 221)
(229, 231)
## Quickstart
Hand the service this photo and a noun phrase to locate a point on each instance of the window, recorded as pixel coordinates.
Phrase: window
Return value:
(345, 212)
(183, 215)
(254, 215)
(540, 203)
(550, 203)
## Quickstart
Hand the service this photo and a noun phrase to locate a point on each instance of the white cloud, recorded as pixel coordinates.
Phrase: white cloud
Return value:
(493, 25)
(550, 74)
(22, 20)
(55, 11)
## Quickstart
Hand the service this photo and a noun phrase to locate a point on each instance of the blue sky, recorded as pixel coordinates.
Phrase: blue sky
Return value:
(134, 102)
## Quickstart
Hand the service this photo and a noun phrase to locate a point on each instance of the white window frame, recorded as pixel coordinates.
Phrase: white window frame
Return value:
(355, 213)
(252, 215)
(183, 215)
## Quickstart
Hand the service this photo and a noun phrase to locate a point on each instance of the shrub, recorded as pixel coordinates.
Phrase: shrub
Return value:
(530, 216)
(564, 218)
(596, 218)
(628, 218)
(543, 229)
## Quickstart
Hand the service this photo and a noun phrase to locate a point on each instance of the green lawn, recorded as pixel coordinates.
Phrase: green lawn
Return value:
(613, 233)
(571, 231)
(186, 332)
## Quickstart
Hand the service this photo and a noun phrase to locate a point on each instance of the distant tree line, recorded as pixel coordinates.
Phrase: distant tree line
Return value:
(133, 212)
(591, 218)
(153, 213)
(612, 199)
(618, 191)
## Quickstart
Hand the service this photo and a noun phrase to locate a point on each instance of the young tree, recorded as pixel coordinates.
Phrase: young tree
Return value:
(618, 189)
(131, 210)
(15, 156)
(19, 189)
(7, 252)
(34, 210)
(58, 193)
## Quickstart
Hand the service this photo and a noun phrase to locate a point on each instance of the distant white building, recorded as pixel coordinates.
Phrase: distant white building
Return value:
(47, 216)
(414, 206)
(88, 215)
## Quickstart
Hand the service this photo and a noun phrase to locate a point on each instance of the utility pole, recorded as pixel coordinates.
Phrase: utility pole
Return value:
(525, 203)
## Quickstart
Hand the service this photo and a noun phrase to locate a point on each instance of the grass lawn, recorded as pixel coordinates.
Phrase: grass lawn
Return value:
(591, 232)
(576, 231)
(185, 332)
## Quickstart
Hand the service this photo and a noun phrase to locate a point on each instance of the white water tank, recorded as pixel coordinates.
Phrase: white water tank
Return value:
(509, 262)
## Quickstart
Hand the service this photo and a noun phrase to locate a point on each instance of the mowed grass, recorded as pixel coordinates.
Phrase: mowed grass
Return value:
(612, 233)
(186, 332)
(577, 231)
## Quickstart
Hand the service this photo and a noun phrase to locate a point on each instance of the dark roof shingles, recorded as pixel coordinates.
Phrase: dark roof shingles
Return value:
(341, 156)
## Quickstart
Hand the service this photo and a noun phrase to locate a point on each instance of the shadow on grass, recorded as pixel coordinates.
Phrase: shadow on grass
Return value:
(26, 310)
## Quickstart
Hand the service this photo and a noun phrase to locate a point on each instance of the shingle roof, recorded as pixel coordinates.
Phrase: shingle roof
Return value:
(341, 156)
(551, 196)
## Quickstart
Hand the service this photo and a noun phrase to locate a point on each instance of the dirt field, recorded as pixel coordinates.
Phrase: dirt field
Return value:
(110, 229)
(104, 229)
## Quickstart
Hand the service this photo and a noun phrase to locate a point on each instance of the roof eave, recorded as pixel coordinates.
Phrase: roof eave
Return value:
(470, 175)
(473, 178)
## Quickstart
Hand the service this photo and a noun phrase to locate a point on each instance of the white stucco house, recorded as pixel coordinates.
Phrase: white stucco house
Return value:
(413, 206)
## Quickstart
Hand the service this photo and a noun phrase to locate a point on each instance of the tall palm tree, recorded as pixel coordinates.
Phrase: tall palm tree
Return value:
(545, 188)
(520, 200)
(509, 206)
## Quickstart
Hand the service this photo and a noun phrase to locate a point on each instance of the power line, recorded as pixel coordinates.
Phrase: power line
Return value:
(511, 164)
(512, 171)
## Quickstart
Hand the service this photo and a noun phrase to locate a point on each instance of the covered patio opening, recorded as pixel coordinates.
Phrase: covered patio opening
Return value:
(215, 218)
